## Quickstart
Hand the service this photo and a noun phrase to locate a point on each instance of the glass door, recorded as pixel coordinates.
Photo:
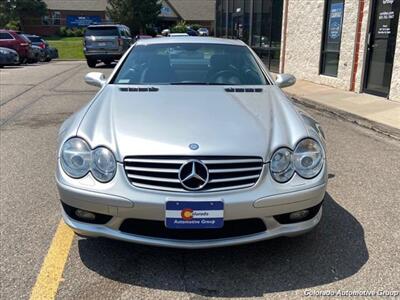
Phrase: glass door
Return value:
(381, 47)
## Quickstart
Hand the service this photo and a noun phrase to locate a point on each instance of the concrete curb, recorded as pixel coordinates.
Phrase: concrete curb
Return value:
(350, 117)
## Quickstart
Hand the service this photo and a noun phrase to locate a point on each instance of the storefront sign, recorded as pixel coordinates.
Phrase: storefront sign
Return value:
(386, 17)
(335, 21)
(82, 21)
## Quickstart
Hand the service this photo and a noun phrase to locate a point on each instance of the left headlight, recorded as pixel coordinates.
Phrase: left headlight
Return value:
(308, 158)
(77, 160)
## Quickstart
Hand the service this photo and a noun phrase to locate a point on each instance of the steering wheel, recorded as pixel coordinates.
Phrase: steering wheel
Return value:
(226, 74)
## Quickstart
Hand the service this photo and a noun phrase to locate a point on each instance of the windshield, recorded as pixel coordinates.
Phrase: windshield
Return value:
(35, 39)
(190, 63)
(102, 31)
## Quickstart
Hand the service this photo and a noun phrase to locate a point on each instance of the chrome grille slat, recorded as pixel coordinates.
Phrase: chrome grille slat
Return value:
(162, 172)
(158, 161)
(150, 178)
(233, 179)
(232, 161)
(213, 171)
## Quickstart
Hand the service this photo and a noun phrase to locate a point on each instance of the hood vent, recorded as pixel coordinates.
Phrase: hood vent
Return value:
(243, 90)
(139, 89)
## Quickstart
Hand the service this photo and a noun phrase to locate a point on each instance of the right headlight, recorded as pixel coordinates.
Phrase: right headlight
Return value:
(308, 158)
(103, 165)
(76, 157)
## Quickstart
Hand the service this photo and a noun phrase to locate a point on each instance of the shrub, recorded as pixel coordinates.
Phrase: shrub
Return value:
(195, 26)
(62, 31)
(13, 25)
(179, 28)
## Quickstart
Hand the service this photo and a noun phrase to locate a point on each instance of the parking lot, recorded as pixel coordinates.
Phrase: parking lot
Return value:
(355, 247)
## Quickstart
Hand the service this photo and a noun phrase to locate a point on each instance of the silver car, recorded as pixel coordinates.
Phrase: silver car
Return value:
(190, 143)
(105, 43)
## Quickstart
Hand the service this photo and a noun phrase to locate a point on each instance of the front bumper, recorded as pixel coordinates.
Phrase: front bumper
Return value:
(122, 201)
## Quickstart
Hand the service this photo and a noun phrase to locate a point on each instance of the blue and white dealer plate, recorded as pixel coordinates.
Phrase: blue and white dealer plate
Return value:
(194, 214)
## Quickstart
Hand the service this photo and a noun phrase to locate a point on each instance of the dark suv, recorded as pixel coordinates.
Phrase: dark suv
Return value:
(105, 43)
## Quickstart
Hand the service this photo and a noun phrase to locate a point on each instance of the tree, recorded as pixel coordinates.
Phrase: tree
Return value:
(21, 10)
(136, 14)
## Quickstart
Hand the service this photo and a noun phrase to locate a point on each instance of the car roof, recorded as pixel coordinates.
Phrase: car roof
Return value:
(189, 40)
(106, 25)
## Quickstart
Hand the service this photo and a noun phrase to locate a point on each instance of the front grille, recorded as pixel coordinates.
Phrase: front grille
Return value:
(162, 172)
(157, 229)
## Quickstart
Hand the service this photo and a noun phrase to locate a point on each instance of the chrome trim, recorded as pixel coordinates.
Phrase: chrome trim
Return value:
(223, 172)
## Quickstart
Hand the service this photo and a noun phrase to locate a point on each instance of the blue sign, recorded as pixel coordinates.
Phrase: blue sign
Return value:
(335, 21)
(82, 21)
(194, 214)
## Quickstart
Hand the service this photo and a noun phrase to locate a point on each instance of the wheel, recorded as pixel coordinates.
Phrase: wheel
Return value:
(91, 63)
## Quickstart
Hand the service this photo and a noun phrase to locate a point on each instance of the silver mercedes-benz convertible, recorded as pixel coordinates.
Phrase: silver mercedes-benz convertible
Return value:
(190, 143)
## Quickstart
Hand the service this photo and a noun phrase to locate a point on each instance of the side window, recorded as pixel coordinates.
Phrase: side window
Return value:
(5, 36)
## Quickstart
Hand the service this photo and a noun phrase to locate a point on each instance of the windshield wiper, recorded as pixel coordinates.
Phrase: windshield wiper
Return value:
(188, 83)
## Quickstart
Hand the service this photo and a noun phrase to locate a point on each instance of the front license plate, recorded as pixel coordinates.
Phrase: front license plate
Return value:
(102, 44)
(194, 214)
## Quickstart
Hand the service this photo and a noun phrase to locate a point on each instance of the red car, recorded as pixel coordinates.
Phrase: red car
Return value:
(11, 39)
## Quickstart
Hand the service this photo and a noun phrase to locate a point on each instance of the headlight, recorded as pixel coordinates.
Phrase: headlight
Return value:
(281, 165)
(103, 164)
(308, 158)
(76, 157)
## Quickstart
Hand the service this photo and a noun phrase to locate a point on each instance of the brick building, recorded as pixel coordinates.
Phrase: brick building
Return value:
(347, 44)
(68, 13)
(80, 13)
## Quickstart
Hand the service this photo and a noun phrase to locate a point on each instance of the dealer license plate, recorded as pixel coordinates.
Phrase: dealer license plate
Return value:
(194, 214)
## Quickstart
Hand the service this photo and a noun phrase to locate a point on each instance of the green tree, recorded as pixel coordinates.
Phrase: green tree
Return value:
(21, 10)
(138, 15)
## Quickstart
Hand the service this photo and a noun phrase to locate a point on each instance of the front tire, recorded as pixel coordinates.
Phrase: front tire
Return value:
(91, 63)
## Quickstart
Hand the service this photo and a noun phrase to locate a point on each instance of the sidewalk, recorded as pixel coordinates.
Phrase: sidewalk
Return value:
(366, 110)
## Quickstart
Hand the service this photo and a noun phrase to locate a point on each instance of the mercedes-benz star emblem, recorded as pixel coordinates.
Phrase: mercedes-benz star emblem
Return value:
(194, 146)
(193, 175)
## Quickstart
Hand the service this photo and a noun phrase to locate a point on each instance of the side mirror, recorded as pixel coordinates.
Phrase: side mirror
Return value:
(285, 80)
(95, 78)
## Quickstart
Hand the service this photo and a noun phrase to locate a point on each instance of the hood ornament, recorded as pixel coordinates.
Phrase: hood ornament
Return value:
(194, 146)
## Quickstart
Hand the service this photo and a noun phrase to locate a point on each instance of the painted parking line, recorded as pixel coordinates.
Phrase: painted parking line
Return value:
(49, 278)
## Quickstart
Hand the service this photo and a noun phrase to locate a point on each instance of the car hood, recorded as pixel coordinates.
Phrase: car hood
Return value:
(166, 121)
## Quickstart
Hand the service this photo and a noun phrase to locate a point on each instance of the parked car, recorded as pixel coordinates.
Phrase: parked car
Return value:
(11, 39)
(105, 43)
(191, 151)
(36, 54)
(192, 32)
(177, 34)
(8, 57)
(203, 32)
(49, 52)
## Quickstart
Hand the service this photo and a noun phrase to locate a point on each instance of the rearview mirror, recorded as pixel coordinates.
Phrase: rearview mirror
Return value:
(95, 78)
(285, 80)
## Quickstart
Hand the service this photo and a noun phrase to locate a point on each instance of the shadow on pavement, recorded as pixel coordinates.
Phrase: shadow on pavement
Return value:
(335, 250)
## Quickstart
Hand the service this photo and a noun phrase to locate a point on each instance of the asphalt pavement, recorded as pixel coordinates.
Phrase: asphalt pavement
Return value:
(356, 246)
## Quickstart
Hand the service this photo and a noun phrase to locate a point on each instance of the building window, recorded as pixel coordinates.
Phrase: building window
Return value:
(56, 18)
(265, 26)
(330, 51)
(267, 31)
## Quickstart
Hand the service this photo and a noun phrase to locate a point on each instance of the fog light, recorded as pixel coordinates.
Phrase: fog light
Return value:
(86, 215)
(299, 215)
